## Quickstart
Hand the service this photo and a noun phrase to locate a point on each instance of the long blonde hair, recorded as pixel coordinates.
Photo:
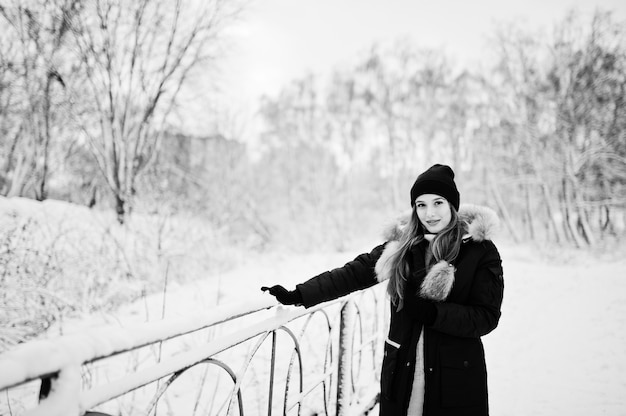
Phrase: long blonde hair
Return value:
(445, 246)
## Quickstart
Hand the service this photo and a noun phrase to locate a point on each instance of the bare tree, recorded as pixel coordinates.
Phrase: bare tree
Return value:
(135, 56)
(560, 105)
(407, 91)
(589, 79)
(35, 104)
(8, 119)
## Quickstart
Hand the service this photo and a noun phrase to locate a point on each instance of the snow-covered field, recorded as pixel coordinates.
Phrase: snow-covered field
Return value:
(560, 348)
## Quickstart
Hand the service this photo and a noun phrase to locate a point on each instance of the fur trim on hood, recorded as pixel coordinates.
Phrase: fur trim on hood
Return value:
(480, 223)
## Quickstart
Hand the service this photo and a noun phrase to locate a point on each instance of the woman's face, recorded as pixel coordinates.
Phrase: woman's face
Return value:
(433, 212)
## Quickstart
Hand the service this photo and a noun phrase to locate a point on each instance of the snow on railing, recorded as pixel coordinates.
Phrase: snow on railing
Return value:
(353, 328)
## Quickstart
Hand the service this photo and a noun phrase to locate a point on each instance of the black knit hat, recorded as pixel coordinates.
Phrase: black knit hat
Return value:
(439, 180)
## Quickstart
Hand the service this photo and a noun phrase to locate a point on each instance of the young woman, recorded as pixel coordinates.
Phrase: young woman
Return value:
(445, 287)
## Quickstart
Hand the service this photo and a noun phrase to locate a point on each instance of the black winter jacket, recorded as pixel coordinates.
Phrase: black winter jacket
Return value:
(454, 362)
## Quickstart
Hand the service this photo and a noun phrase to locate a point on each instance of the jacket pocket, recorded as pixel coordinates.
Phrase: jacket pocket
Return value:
(390, 361)
(463, 376)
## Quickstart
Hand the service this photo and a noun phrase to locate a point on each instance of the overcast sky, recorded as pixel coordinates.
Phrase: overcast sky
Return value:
(279, 40)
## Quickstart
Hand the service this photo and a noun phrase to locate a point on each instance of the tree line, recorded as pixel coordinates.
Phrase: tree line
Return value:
(88, 89)
(539, 134)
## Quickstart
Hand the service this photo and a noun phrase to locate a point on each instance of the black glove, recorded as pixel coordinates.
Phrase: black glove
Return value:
(284, 296)
(420, 309)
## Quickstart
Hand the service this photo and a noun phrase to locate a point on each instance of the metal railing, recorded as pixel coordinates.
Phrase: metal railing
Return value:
(333, 350)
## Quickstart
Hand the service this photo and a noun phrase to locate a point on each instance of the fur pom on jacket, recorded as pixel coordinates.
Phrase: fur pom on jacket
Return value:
(479, 223)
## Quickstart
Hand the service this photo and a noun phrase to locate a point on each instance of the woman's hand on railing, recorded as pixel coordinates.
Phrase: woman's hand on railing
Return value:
(284, 296)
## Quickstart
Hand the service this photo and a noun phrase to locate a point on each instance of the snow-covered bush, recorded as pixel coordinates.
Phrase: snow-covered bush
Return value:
(58, 259)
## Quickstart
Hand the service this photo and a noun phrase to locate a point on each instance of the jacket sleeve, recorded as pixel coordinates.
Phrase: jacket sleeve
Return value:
(482, 312)
(355, 275)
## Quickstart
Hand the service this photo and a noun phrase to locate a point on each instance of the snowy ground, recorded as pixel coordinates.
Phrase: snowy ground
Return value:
(560, 348)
